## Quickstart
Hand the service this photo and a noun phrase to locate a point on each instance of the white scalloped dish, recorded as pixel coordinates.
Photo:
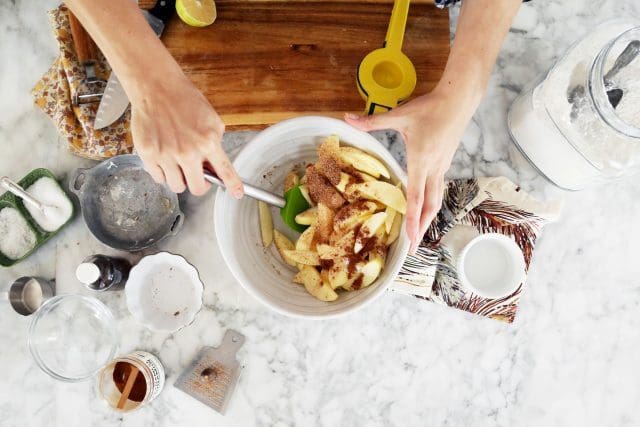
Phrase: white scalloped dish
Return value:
(164, 292)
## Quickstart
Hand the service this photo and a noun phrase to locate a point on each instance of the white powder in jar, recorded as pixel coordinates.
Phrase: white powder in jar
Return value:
(16, 237)
(58, 207)
(567, 140)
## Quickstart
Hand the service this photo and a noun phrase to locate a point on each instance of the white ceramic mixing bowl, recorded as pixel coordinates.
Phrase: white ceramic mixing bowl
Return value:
(265, 161)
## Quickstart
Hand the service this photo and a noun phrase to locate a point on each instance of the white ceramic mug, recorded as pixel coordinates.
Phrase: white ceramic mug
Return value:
(491, 265)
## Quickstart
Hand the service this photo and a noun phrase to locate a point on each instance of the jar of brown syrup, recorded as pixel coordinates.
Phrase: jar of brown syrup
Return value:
(131, 381)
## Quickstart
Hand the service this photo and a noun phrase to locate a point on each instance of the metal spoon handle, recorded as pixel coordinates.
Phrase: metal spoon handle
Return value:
(19, 191)
(628, 54)
(251, 191)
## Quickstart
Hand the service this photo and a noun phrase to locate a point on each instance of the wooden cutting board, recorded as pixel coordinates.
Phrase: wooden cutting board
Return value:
(265, 61)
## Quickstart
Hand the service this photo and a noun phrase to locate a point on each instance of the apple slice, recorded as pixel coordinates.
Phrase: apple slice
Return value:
(383, 192)
(313, 283)
(304, 190)
(302, 257)
(325, 222)
(266, 223)
(306, 241)
(330, 146)
(371, 270)
(307, 217)
(347, 217)
(284, 244)
(388, 222)
(363, 176)
(363, 162)
(368, 229)
(394, 233)
(345, 180)
(291, 180)
(343, 247)
(338, 274)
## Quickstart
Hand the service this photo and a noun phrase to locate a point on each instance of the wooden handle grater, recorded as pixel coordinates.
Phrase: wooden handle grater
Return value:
(214, 372)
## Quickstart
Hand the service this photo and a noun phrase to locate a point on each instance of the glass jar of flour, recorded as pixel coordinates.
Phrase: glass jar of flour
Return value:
(580, 123)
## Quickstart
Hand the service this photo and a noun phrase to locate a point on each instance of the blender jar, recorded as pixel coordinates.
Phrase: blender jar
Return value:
(580, 123)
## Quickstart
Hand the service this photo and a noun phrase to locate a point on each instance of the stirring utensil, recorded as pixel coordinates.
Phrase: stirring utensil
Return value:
(47, 210)
(387, 76)
(14, 188)
(290, 205)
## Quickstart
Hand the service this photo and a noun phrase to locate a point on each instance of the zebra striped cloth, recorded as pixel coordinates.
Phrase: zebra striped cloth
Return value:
(472, 207)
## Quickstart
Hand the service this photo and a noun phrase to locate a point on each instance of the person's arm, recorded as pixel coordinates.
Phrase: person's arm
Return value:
(175, 130)
(432, 125)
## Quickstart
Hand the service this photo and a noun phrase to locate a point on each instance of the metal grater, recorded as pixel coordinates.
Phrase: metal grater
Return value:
(214, 372)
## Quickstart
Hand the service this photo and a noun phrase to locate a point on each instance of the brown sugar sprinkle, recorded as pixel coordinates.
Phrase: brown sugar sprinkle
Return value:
(352, 263)
(379, 248)
(369, 244)
(347, 245)
(357, 284)
(321, 190)
(330, 168)
(326, 263)
(329, 163)
(347, 211)
(356, 228)
(356, 175)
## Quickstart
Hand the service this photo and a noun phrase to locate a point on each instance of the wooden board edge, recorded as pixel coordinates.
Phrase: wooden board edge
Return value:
(148, 4)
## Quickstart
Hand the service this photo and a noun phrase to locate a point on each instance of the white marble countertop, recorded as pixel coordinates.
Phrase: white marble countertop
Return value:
(570, 358)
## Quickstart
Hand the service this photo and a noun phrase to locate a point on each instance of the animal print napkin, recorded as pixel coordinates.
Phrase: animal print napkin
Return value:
(472, 207)
(54, 92)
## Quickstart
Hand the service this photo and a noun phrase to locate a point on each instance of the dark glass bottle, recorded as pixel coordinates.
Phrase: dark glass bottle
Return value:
(103, 273)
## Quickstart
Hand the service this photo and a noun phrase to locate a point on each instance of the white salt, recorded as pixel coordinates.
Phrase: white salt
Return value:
(58, 207)
(16, 237)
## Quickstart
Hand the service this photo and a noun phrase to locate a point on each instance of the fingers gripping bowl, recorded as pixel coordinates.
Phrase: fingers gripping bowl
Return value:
(266, 161)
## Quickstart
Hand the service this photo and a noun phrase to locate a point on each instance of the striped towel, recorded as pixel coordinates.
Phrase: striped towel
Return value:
(472, 207)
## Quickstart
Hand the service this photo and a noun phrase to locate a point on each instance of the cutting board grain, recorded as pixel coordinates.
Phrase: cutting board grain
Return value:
(266, 61)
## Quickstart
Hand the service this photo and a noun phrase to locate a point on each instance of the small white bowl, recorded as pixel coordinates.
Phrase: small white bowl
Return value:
(164, 292)
(265, 161)
(491, 265)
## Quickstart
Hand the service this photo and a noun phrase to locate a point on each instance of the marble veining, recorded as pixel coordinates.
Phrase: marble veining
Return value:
(569, 359)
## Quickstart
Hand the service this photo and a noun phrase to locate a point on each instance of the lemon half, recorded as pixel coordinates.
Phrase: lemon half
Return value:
(197, 13)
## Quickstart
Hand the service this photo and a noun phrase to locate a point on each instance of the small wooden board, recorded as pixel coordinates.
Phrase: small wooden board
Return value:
(266, 61)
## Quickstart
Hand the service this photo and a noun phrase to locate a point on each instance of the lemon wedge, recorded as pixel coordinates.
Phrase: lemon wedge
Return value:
(196, 13)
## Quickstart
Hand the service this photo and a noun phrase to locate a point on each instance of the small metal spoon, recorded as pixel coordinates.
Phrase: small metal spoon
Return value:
(628, 54)
(20, 192)
(47, 210)
(614, 94)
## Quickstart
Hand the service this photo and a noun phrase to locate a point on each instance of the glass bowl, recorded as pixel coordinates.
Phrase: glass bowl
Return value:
(72, 336)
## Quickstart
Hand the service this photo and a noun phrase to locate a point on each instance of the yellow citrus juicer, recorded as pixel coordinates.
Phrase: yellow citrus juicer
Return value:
(386, 76)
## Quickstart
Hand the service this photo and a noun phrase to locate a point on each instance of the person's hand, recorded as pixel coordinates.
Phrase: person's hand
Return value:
(431, 127)
(176, 132)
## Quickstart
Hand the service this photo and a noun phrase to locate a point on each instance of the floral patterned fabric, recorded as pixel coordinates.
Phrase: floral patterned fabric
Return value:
(55, 91)
(472, 207)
